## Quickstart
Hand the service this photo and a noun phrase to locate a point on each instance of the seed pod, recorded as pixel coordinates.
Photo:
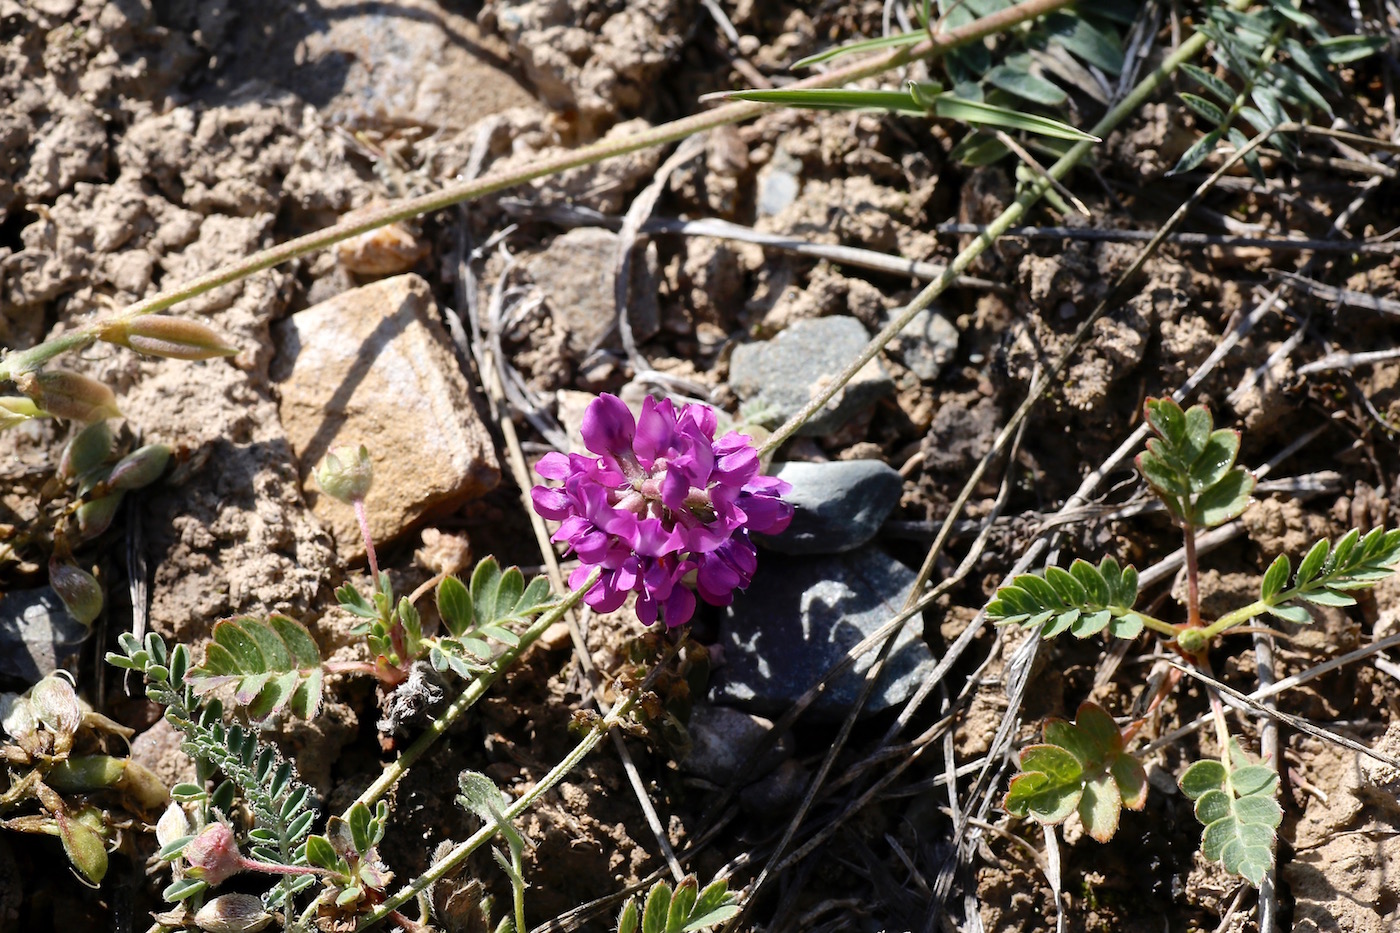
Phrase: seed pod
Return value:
(346, 474)
(16, 410)
(233, 913)
(56, 704)
(174, 338)
(139, 468)
(86, 848)
(69, 395)
(79, 590)
(96, 516)
(88, 449)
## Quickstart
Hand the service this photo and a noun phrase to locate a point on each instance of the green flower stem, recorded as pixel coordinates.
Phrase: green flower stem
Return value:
(408, 208)
(442, 868)
(1033, 192)
(1241, 615)
(27, 361)
(1157, 625)
(475, 690)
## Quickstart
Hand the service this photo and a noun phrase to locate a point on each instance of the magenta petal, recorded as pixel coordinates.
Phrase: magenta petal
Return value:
(551, 503)
(553, 465)
(608, 427)
(679, 607)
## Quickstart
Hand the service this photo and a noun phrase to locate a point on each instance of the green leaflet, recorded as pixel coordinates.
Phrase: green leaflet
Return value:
(1081, 767)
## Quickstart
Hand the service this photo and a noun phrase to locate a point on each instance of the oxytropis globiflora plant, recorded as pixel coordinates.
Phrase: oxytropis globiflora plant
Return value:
(1087, 766)
(662, 507)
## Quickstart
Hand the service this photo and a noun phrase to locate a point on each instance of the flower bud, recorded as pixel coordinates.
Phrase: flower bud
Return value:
(213, 855)
(96, 516)
(88, 449)
(140, 467)
(69, 395)
(233, 913)
(346, 473)
(173, 824)
(84, 845)
(79, 590)
(16, 410)
(174, 338)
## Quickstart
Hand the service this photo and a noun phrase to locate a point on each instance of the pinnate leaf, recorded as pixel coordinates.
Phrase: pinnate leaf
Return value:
(1083, 600)
(272, 664)
(1235, 803)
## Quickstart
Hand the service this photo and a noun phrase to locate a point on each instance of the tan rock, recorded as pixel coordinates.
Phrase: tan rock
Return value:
(373, 366)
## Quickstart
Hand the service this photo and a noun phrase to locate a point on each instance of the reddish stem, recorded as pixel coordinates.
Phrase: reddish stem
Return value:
(363, 519)
(1193, 592)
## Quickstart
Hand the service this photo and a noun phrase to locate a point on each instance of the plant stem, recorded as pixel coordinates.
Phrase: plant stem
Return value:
(362, 517)
(442, 868)
(1157, 625)
(498, 181)
(1193, 577)
(1237, 617)
(1033, 192)
(475, 690)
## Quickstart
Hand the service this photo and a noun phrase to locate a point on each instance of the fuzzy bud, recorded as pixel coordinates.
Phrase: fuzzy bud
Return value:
(173, 824)
(16, 410)
(88, 450)
(346, 474)
(173, 338)
(213, 855)
(69, 395)
(233, 913)
(139, 468)
(79, 590)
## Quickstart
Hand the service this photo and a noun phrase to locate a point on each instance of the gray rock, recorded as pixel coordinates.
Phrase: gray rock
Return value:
(800, 616)
(578, 275)
(927, 345)
(37, 635)
(781, 375)
(778, 183)
(839, 505)
(721, 740)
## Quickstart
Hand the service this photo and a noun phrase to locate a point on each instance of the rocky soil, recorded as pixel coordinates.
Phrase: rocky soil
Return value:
(143, 142)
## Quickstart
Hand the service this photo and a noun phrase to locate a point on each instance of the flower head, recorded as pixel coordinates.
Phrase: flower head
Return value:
(661, 500)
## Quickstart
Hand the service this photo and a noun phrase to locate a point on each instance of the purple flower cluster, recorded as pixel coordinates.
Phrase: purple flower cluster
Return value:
(661, 500)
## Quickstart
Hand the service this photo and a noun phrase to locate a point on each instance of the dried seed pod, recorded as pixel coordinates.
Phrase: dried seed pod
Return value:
(69, 395)
(173, 824)
(346, 473)
(174, 338)
(233, 913)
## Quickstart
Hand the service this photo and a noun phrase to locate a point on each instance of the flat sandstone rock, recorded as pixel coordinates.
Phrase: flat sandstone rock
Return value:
(373, 366)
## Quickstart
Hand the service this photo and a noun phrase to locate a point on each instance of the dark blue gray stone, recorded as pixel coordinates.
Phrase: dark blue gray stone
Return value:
(783, 374)
(839, 505)
(800, 616)
(927, 345)
(37, 635)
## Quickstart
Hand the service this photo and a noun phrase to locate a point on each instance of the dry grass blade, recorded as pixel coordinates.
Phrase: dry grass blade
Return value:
(1248, 701)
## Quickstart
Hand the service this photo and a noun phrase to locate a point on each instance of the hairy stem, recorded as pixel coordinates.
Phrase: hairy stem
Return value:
(1193, 576)
(551, 165)
(1033, 192)
(475, 690)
